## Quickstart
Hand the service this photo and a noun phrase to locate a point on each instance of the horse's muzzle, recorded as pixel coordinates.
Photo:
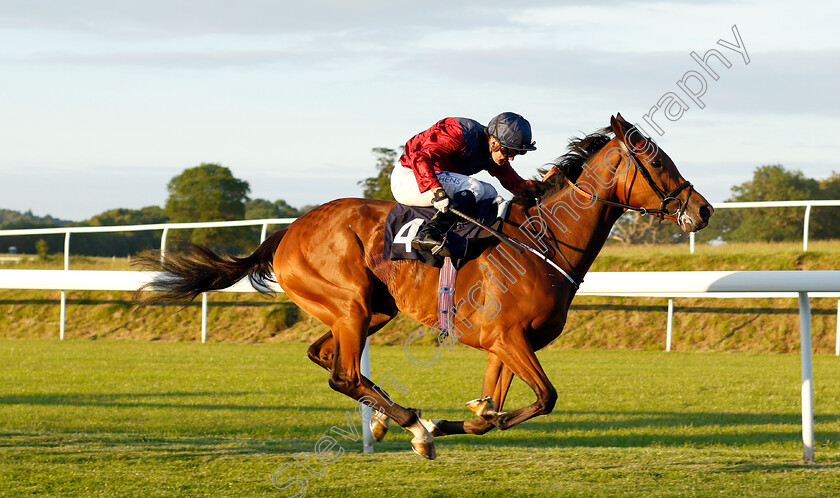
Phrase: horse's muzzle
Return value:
(696, 215)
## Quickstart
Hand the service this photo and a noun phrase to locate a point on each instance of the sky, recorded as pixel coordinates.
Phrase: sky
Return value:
(102, 102)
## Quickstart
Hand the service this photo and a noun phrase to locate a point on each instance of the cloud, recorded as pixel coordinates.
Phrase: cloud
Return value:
(773, 82)
(185, 59)
(162, 18)
(244, 17)
(784, 83)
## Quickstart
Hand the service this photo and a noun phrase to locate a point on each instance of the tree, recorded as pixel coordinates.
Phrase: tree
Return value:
(825, 221)
(43, 250)
(26, 243)
(122, 216)
(769, 183)
(631, 228)
(120, 243)
(10, 219)
(259, 209)
(379, 186)
(209, 192)
(284, 210)
(256, 209)
(306, 208)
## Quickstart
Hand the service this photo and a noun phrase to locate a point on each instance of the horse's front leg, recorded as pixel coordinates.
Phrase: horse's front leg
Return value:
(517, 354)
(497, 379)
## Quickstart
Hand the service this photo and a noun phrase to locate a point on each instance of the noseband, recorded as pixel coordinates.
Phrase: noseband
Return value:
(664, 197)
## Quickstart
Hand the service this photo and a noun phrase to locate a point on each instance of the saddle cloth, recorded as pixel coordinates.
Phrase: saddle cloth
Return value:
(465, 240)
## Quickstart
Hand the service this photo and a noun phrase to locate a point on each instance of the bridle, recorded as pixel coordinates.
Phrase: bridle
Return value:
(664, 197)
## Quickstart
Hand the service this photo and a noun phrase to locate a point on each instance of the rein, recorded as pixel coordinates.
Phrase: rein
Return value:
(545, 258)
(571, 279)
(513, 240)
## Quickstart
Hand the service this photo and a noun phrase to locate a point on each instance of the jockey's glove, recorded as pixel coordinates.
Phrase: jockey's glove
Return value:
(441, 201)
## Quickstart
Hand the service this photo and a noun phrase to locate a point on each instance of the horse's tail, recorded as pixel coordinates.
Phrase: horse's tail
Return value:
(182, 277)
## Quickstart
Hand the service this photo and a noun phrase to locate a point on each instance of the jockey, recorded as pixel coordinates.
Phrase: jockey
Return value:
(437, 163)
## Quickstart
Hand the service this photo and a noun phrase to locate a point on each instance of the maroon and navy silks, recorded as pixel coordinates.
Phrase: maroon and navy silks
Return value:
(457, 145)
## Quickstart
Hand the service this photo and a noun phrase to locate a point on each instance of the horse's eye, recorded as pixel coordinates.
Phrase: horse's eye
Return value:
(656, 164)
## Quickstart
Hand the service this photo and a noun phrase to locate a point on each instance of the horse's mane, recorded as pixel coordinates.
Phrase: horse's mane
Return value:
(569, 165)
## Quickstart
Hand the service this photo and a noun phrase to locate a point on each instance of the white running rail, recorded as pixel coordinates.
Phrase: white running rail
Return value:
(771, 204)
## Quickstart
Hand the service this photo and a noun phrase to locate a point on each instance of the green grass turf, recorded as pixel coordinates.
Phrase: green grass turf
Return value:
(103, 418)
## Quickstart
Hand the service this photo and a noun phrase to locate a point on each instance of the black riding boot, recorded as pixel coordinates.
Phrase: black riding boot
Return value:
(430, 235)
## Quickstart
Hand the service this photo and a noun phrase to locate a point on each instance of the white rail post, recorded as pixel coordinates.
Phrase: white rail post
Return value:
(691, 242)
(67, 250)
(367, 412)
(837, 333)
(807, 378)
(63, 313)
(263, 232)
(163, 243)
(670, 322)
(805, 229)
(203, 317)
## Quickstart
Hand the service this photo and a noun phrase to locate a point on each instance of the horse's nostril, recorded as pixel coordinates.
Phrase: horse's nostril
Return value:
(706, 212)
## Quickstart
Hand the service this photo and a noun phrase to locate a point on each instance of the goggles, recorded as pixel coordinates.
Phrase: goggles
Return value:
(511, 153)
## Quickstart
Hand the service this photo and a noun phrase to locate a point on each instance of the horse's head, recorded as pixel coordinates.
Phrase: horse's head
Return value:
(649, 180)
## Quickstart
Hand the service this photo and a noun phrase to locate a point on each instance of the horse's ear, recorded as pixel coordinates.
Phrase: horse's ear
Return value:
(617, 125)
(630, 135)
(554, 170)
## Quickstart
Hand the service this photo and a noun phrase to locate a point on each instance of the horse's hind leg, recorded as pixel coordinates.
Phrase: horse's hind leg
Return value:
(348, 314)
(346, 377)
(331, 283)
(321, 351)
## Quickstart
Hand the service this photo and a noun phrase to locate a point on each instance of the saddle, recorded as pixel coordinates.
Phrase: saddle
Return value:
(464, 240)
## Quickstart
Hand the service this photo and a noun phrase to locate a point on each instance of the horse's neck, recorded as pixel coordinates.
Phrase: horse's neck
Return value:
(576, 225)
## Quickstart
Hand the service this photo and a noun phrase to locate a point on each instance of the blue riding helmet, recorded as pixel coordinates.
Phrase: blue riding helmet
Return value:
(512, 131)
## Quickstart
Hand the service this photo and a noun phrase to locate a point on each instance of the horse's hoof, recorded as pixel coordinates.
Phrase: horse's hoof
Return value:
(425, 449)
(432, 426)
(379, 426)
(481, 406)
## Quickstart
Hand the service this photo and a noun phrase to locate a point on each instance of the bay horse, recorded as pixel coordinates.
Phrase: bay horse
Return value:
(330, 263)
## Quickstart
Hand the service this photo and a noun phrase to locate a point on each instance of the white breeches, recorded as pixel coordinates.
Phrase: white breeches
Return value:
(405, 189)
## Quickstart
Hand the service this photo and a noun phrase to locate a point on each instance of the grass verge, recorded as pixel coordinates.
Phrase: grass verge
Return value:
(104, 418)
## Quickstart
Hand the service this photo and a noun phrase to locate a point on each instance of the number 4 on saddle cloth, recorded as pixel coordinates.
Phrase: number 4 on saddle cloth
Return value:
(463, 241)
